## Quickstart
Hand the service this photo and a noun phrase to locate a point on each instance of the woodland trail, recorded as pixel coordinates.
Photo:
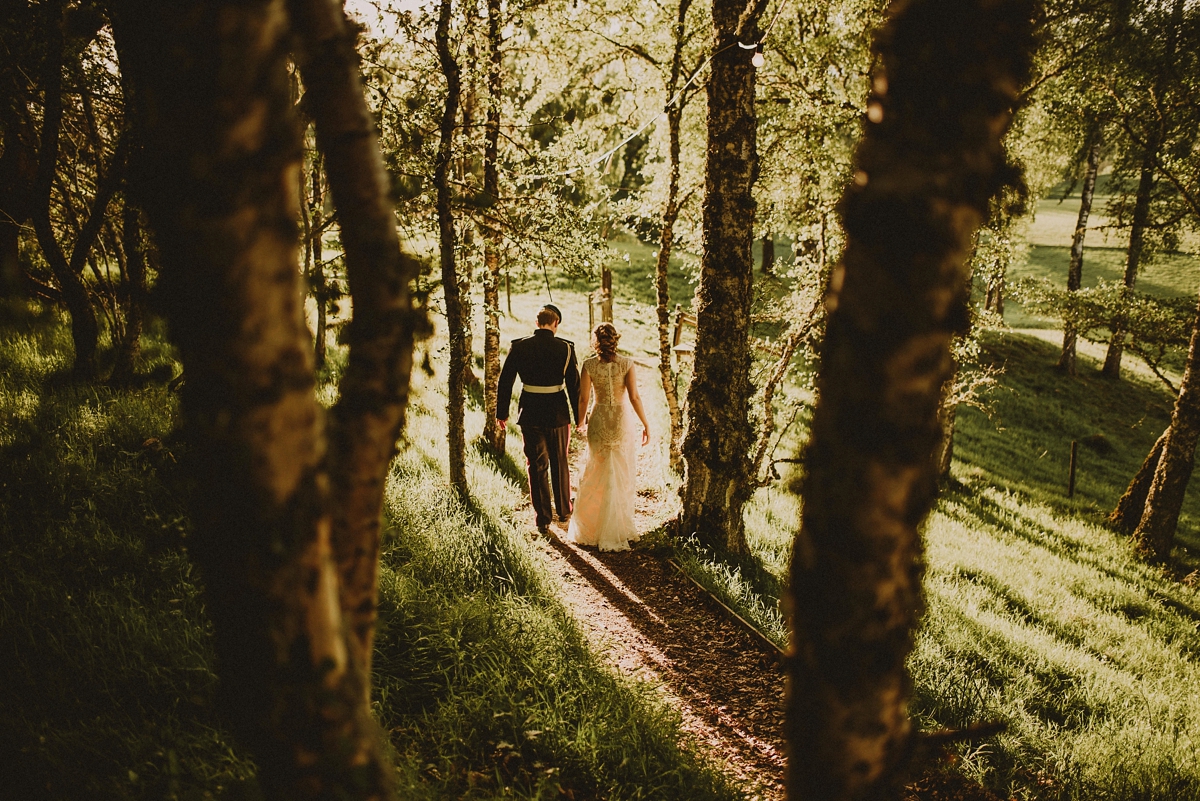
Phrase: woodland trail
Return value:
(654, 624)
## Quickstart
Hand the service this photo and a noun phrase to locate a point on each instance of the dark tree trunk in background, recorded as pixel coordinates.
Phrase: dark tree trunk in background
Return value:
(768, 253)
(373, 394)
(217, 182)
(18, 168)
(1133, 259)
(949, 74)
(85, 331)
(317, 246)
(716, 448)
(1128, 512)
(1066, 362)
(1156, 531)
(666, 243)
(134, 294)
(455, 322)
(492, 433)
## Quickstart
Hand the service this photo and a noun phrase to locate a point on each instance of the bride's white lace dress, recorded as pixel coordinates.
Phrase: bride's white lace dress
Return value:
(603, 513)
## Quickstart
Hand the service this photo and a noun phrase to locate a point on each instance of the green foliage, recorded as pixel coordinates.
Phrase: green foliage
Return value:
(1156, 327)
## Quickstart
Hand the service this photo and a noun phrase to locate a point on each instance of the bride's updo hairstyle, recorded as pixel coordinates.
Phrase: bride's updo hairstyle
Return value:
(604, 340)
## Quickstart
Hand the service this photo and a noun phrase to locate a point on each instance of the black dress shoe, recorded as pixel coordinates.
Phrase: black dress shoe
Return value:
(543, 528)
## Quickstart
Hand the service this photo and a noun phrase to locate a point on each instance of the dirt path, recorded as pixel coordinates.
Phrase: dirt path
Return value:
(654, 624)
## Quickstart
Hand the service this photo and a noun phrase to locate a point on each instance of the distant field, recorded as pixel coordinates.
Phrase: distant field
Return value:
(1049, 236)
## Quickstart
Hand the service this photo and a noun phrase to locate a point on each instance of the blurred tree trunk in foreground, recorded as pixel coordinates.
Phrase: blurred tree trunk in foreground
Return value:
(373, 394)
(931, 160)
(719, 438)
(1155, 532)
(217, 180)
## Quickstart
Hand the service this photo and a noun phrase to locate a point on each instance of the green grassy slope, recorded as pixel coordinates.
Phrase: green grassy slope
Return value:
(484, 682)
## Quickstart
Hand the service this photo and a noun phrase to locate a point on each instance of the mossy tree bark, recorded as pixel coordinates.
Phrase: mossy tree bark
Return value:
(373, 393)
(949, 75)
(218, 183)
(456, 323)
(1155, 532)
(1128, 512)
(666, 240)
(719, 438)
(492, 432)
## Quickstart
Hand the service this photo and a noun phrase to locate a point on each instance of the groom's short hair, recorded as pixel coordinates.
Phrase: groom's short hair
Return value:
(546, 317)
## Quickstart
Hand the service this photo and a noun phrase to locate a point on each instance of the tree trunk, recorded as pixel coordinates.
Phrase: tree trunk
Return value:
(1066, 362)
(85, 331)
(948, 75)
(317, 245)
(716, 448)
(993, 299)
(492, 432)
(455, 325)
(768, 253)
(1128, 513)
(948, 416)
(1156, 532)
(134, 295)
(373, 394)
(666, 243)
(218, 181)
(17, 174)
(1133, 259)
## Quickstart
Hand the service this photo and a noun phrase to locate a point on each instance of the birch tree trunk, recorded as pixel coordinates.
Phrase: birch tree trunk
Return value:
(1066, 362)
(373, 394)
(492, 432)
(218, 180)
(455, 321)
(666, 243)
(1133, 260)
(1155, 532)
(719, 438)
(948, 76)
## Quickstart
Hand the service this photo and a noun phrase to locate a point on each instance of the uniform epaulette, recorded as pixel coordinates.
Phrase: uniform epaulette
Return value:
(569, 342)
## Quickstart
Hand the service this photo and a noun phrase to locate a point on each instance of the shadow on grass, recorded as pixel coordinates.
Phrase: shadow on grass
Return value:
(1037, 412)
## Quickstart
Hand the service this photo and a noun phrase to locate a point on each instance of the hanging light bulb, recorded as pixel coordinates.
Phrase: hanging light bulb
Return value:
(758, 59)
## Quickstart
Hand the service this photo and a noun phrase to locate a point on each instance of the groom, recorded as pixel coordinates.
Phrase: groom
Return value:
(549, 382)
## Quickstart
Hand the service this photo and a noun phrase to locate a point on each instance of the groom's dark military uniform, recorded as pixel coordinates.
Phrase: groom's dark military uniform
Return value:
(550, 383)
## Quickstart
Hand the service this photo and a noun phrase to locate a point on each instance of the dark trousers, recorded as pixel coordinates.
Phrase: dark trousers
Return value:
(546, 461)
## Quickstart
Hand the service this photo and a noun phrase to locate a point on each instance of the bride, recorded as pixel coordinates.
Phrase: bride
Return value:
(603, 514)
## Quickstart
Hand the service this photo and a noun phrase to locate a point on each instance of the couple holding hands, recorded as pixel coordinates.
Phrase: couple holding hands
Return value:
(552, 381)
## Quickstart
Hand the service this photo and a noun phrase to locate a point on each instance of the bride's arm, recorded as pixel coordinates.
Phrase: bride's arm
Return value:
(585, 391)
(636, 401)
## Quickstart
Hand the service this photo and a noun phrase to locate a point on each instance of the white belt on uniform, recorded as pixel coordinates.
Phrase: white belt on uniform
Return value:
(542, 390)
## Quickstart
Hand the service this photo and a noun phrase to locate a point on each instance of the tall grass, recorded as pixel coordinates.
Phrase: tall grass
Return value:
(1038, 616)
(484, 682)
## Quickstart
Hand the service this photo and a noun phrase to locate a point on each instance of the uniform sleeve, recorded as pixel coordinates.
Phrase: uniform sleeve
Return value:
(508, 374)
(572, 382)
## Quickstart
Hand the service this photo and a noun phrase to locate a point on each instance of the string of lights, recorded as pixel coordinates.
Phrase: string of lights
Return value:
(758, 59)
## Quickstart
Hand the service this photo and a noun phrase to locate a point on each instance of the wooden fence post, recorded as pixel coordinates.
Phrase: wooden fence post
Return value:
(1071, 470)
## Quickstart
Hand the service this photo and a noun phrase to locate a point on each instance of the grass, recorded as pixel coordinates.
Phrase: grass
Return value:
(1037, 615)
(484, 682)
